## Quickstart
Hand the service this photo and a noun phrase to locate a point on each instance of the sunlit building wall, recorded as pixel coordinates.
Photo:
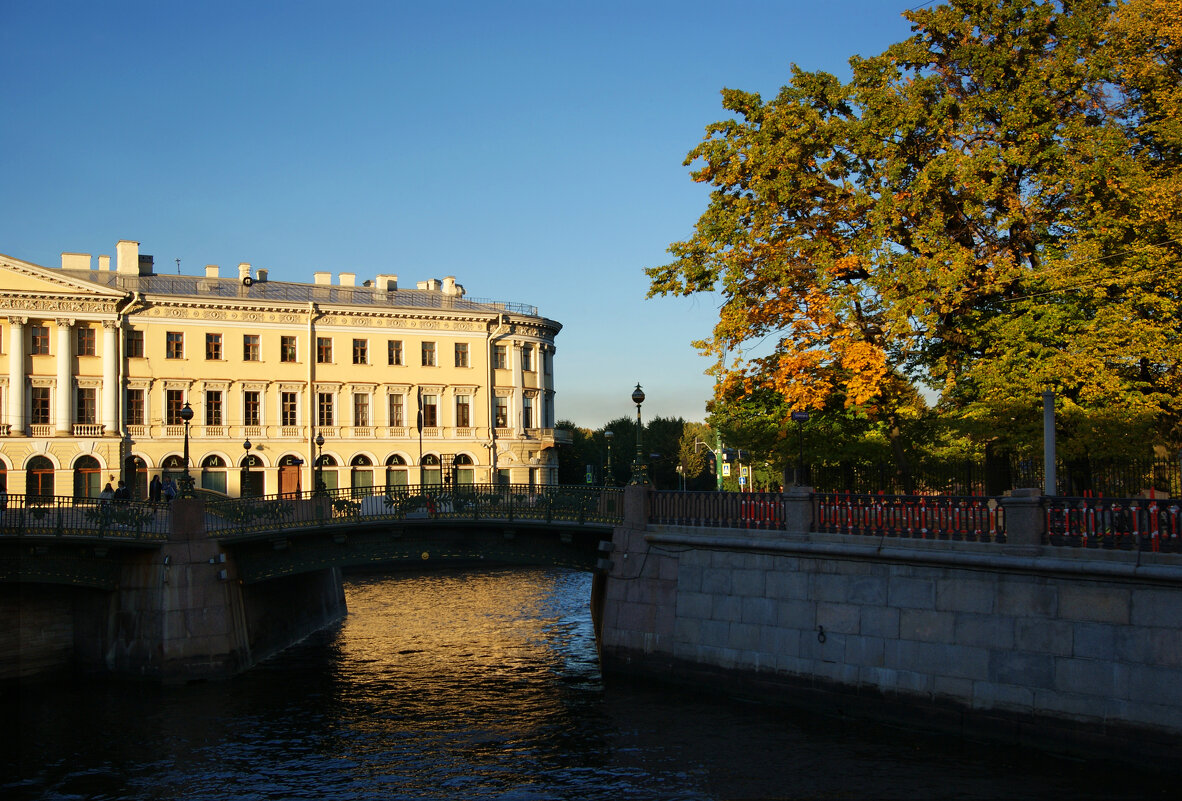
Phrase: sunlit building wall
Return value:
(405, 385)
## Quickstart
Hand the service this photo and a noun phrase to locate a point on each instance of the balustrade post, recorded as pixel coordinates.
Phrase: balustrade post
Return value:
(798, 509)
(1025, 521)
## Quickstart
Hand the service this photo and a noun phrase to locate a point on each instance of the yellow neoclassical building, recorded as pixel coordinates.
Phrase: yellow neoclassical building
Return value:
(103, 359)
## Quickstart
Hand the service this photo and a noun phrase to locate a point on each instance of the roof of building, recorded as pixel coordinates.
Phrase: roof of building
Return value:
(287, 292)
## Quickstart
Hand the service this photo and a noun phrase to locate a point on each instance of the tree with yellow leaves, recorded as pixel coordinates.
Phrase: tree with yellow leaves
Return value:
(989, 208)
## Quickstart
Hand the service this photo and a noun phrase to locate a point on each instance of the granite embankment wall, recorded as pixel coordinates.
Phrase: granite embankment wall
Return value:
(180, 613)
(1064, 649)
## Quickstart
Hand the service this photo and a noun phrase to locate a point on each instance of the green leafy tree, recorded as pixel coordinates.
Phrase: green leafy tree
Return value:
(989, 207)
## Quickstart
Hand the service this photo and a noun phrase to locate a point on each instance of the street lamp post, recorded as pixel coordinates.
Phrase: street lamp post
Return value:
(186, 488)
(245, 468)
(319, 467)
(639, 468)
(609, 480)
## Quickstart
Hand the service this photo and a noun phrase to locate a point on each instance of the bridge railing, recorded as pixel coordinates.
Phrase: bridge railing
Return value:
(1148, 524)
(39, 515)
(759, 510)
(943, 517)
(360, 505)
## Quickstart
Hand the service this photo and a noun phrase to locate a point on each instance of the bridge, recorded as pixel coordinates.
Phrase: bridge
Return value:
(1046, 620)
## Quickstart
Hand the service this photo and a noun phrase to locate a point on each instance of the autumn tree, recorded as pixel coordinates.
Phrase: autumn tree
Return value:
(990, 208)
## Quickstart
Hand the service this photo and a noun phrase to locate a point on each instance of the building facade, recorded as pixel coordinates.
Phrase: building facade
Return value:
(405, 386)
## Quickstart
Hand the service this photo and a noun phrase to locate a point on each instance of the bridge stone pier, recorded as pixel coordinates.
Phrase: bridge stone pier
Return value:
(172, 613)
(1065, 649)
(181, 614)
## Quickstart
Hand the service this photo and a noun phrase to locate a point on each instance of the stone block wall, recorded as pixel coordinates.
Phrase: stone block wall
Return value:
(1061, 649)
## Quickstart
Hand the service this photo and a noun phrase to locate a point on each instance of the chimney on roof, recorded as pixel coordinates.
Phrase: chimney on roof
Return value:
(387, 283)
(322, 277)
(75, 261)
(104, 264)
(146, 265)
(243, 270)
(348, 279)
(211, 271)
(127, 257)
(262, 275)
(431, 285)
(450, 287)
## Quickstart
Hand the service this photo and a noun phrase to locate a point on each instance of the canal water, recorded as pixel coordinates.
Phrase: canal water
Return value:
(482, 685)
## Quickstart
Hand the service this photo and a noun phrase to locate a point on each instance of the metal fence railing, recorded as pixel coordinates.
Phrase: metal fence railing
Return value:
(946, 517)
(1147, 524)
(470, 502)
(42, 515)
(1125, 478)
(760, 510)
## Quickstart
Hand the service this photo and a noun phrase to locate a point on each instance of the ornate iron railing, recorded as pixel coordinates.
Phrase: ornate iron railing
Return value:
(366, 505)
(944, 517)
(38, 515)
(1148, 524)
(761, 510)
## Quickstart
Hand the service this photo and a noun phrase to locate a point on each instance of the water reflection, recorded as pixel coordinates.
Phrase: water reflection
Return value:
(478, 685)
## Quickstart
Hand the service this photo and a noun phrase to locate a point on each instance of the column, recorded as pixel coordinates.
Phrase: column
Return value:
(111, 387)
(518, 383)
(16, 375)
(546, 386)
(65, 375)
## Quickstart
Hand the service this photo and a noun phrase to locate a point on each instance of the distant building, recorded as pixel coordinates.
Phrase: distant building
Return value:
(101, 363)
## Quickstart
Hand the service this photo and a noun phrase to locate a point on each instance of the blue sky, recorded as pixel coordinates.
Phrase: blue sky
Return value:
(531, 149)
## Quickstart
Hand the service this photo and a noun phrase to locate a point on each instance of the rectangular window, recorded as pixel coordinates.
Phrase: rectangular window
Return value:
(501, 412)
(287, 349)
(85, 336)
(527, 359)
(324, 411)
(213, 347)
(251, 349)
(40, 403)
(361, 351)
(324, 350)
(527, 412)
(428, 354)
(394, 352)
(213, 408)
(430, 412)
(288, 402)
(360, 409)
(135, 343)
(252, 409)
(174, 345)
(174, 401)
(461, 354)
(135, 407)
(397, 411)
(40, 340)
(463, 411)
(500, 357)
(85, 409)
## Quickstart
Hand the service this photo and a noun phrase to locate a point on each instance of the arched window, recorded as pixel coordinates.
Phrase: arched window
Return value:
(253, 477)
(213, 474)
(465, 474)
(395, 471)
(361, 475)
(136, 470)
(326, 468)
(39, 477)
(172, 467)
(431, 474)
(88, 477)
